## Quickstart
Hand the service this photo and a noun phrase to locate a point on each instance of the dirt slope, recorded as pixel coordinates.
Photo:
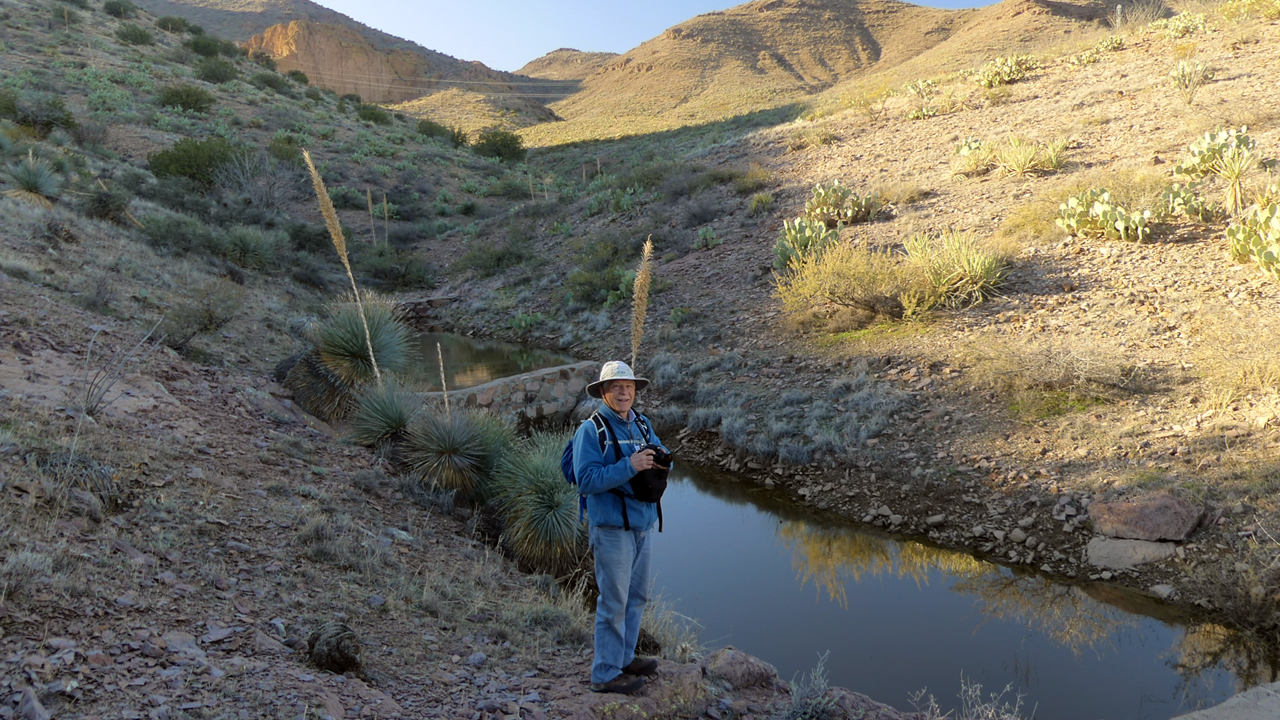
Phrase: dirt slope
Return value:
(566, 64)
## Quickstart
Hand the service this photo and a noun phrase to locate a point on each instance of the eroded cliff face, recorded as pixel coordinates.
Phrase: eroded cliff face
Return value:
(339, 58)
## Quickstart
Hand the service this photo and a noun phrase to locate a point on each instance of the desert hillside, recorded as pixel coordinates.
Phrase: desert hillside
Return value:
(566, 64)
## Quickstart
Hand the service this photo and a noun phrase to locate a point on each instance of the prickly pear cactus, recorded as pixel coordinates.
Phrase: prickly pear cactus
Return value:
(1092, 214)
(1257, 239)
(1005, 70)
(800, 237)
(1204, 153)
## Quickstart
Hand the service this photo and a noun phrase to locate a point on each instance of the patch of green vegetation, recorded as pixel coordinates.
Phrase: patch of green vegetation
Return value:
(1042, 405)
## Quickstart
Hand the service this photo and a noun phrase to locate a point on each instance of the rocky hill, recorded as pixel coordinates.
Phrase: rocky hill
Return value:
(567, 64)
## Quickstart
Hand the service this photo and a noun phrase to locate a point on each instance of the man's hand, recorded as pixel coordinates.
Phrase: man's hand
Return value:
(643, 460)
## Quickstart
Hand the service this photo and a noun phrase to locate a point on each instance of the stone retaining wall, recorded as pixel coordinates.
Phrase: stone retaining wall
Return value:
(540, 397)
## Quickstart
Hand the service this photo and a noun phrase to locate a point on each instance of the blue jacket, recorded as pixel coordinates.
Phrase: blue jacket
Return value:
(598, 473)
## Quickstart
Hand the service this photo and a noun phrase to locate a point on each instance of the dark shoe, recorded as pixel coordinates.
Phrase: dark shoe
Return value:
(647, 667)
(623, 684)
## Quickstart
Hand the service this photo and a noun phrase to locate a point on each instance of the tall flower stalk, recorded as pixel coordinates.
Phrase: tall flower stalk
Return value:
(340, 244)
(640, 298)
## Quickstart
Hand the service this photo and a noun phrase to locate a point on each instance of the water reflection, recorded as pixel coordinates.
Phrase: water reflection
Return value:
(783, 582)
(469, 362)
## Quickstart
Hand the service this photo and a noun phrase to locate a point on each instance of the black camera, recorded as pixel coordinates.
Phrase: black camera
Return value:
(660, 456)
(649, 485)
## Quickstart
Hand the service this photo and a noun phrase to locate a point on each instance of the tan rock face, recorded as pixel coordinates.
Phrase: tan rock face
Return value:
(339, 58)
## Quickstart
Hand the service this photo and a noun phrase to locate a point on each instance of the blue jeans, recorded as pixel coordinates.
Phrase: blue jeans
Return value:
(622, 576)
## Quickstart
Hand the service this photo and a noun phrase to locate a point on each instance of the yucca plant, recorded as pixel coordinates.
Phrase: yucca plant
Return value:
(497, 438)
(1234, 167)
(252, 247)
(959, 267)
(34, 181)
(446, 453)
(1018, 157)
(542, 524)
(384, 414)
(346, 337)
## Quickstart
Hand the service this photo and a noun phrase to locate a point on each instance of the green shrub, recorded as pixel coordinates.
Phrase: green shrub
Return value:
(373, 114)
(352, 98)
(801, 238)
(193, 159)
(1256, 239)
(858, 277)
(170, 23)
(204, 45)
(603, 262)
(431, 128)
(459, 138)
(542, 526)
(1092, 214)
(1237, 10)
(40, 112)
(384, 413)
(34, 181)
(502, 144)
(299, 77)
(179, 234)
(216, 71)
(132, 34)
(313, 94)
(8, 105)
(207, 308)
(270, 80)
(285, 148)
(120, 8)
(186, 97)
(1005, 70)
(250, 246)
(262, 58)
(488, 259)
(107, 203)
(392, 269)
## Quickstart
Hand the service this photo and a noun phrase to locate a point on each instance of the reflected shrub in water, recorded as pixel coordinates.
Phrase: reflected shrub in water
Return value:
(384, 413)
(541, 509)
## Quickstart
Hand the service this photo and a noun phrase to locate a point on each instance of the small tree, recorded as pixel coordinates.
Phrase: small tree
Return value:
(216, 71)
(502, 144)
(131, 34)
(187, 97)
(119, 8)
(190, 158)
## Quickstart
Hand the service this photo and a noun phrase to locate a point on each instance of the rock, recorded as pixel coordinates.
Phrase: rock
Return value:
(1026, 522)
(334, 647)
(895, 519)
(1123, 554)
(264, 643)
(1164, 592)
(182, 644)
(884, 511)
(978, 531)
(477, 659)
(998, 535)
(83, 502)
(935, 520)
(855, 705)
(99, 659)
(739, 669)
(30, 708)
(1017, 536)
(1156, 517)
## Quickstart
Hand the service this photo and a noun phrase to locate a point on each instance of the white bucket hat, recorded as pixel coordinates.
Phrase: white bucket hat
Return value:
(615, 370)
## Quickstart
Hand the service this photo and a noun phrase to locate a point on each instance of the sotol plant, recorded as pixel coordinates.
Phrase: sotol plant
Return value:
(34, 181)
(1187, 78)
(542, 524)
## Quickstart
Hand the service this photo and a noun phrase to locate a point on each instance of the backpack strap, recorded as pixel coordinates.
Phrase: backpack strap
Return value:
(603, 434)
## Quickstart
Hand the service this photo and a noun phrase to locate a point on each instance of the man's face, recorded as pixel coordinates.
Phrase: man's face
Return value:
(619, 395)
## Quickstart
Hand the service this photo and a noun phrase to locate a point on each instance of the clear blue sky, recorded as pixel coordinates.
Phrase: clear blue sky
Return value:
(506, 34)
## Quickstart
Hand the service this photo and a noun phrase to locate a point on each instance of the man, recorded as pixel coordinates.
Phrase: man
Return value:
(619, 527)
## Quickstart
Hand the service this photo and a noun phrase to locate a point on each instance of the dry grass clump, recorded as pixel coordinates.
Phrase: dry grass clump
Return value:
(900, 192)
(811, 136)
(339, 541)
(1044, 378)
(867, 279)
(20, 570)
(960, 268)
(1235, 361)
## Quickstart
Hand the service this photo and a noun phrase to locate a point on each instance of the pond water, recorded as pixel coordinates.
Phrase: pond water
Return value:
(469, 362)
(762, 574)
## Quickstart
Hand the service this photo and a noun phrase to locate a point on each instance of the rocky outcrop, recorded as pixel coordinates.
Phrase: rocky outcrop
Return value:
(1123, 554)
(341, 59)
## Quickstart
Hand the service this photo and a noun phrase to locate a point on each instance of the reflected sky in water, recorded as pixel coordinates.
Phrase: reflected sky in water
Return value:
(900, 616)
(469, 362)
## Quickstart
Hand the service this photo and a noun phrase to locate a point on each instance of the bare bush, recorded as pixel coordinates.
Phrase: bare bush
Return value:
(261, 180)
